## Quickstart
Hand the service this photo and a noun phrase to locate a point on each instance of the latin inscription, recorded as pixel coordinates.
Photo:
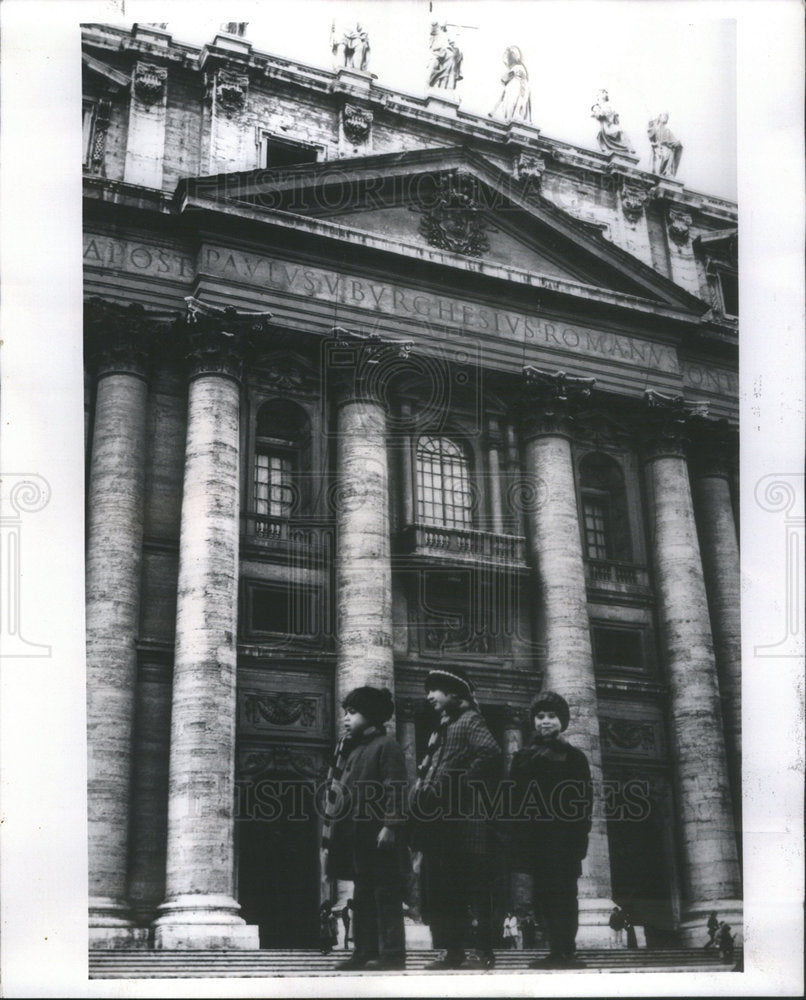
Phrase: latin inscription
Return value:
(139, 258)
(451, 316)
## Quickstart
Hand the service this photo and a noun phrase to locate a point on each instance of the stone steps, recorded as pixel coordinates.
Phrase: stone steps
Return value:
(268, 964)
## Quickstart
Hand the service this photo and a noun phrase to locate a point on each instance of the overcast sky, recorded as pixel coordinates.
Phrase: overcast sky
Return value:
(650, 56)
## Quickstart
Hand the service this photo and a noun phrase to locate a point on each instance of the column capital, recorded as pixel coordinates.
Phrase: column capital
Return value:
(713, 447)
(667, 426)
(550, 400)
(217, 341)
(118, 338)
(363, 366)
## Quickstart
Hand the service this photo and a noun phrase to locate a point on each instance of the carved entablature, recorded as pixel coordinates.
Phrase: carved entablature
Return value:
(550, 401)
(230, 91)
(357, 123)
(149, 82)
(217, 341)
(667, 428)
(455, 221)
(118, 338)
(679, 226)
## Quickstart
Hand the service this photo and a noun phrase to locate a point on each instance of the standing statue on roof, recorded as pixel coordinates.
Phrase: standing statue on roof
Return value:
(445, 67)
(350, 47)
(611, 137)
(515, 102)
(666, 149)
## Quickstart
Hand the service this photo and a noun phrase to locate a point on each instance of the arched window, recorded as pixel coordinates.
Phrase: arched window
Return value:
(605, 514)
(281, 442)
(444, 496)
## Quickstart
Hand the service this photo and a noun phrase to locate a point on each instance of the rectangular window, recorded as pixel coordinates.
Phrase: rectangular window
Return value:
(274, 490)
(276, 152)
(729, 290)
(596, 516)
(286, 610)
(617, 648)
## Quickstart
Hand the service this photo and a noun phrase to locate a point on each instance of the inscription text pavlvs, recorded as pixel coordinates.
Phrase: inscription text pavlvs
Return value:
(395, 300)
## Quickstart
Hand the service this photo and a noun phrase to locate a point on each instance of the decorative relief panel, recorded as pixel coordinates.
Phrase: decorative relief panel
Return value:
(356, 123)
(455, 221)
(282, 709)
(631, 737)
(282, 760)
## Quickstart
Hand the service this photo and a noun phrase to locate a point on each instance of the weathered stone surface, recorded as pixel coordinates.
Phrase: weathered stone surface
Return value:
(114, 554)
(557, 553)
(363, 561)
(720, 560)
(199, 908)
(708, 843)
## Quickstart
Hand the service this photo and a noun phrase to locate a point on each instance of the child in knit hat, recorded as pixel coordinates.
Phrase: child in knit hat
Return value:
(364, 836)
(552, 799)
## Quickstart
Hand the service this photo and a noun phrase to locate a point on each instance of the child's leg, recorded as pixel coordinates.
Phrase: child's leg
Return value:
(365, 917)
(388, 896)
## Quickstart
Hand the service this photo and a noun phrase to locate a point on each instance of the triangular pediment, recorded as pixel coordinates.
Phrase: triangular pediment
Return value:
(450, 205)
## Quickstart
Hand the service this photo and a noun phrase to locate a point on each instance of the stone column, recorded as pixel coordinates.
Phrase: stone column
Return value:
(199, 910)
(710, 871)
(514, 503)
(709, 465)
(494, 444)
(363, 557)
(408, 511)
(556, 546)
(118, 340)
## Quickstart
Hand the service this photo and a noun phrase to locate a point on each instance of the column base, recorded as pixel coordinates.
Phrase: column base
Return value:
(119, 938)
(594, 925)
(693, 929)
(109, 912)
(203, 922)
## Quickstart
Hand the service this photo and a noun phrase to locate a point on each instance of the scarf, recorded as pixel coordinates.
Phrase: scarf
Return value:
(554, 748)
(344, 748)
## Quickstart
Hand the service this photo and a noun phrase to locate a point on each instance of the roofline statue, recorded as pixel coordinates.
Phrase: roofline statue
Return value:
(666, 149)
(445, 66)
(611, 137)
(515, 102)
(350, 47)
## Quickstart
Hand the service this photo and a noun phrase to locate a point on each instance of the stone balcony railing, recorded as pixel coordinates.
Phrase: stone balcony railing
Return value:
(285, 535)
(602, 574)
(463, 544)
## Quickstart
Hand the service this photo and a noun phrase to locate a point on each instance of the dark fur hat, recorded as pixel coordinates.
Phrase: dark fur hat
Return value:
(552, 702)
(375, 704)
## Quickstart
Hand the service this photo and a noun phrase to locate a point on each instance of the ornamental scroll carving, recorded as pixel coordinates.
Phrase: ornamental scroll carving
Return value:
(149, 82)
(624, 734)
(283, 709)
(281, 760)
(679, 226)
(357, 123)
(632, 204)
(455, 222)
(230, 90)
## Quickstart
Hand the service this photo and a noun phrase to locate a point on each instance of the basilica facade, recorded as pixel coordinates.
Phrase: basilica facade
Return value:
(374, 385)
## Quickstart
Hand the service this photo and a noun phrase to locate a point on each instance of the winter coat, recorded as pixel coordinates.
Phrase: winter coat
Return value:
(552, 799)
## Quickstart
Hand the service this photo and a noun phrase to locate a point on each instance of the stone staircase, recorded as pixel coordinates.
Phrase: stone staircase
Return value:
(269, 964)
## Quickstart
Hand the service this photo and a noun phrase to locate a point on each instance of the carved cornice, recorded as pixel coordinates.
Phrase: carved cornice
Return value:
(550, 401)
(218, 341)
(357, 123)
(667, 427)
(455, 221)
(118, 339)
(148, 83)
(363, 366)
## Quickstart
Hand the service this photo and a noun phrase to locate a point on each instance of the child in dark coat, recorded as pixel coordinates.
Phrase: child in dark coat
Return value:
(552, 799)
(364, 841)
